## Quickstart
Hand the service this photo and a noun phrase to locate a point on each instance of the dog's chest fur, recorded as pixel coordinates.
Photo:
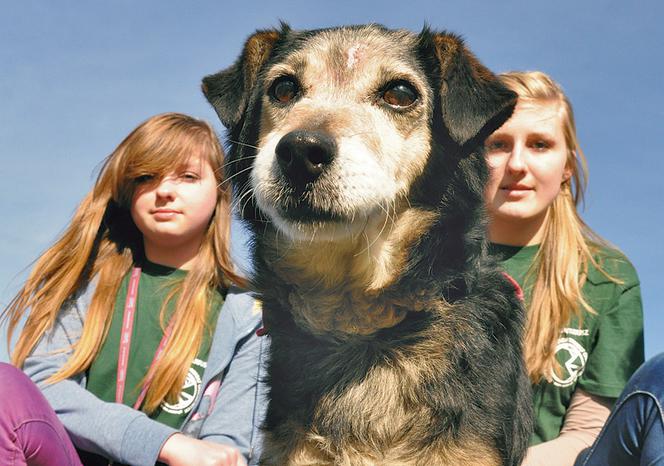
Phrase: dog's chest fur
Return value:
(382, 388)
(380, 363)
(338, 290)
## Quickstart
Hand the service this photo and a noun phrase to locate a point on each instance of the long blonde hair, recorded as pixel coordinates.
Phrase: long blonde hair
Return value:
(102, 241)
(561, 264)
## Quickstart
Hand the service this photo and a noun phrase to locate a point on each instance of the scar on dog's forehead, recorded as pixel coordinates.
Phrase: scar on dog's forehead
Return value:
(356, 54)
(346, 54)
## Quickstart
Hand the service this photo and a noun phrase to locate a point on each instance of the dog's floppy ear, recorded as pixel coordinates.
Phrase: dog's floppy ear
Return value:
(473, 102)
(228, 91)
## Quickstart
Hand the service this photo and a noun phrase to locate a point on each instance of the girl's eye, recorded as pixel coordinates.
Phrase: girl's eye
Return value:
(188, 176)
(399, 94)
(143, 179)
(540, 145)
(496, 145)
(284, 89)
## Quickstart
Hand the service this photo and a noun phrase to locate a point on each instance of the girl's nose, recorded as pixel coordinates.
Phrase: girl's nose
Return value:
(165, 188)
(516, 161)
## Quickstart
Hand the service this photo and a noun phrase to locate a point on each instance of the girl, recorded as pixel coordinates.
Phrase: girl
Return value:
(584, 335)
(135, 331)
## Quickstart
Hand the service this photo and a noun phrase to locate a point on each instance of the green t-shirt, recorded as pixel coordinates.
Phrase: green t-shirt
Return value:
(598, 355)
(153, 288)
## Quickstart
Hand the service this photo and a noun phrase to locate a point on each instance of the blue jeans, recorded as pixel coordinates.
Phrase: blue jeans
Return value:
(634, 433)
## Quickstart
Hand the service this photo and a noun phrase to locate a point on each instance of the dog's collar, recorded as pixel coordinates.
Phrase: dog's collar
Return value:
(517, 288)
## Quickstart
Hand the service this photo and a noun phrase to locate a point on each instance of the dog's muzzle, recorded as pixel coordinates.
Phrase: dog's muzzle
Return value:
(303, 156)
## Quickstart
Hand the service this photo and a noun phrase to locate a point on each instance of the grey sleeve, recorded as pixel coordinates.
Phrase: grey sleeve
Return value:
(111, 429)
(240, 403)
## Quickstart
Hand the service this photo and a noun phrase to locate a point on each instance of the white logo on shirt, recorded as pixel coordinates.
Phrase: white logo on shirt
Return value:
(574, 358)
(579, 332)
(190, 390)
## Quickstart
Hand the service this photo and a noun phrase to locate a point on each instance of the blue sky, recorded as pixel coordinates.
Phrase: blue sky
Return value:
(76, 77)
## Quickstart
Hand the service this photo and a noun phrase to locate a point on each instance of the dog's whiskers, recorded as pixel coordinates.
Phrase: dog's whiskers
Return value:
(246, 194)
(313, 236)
(388, 217)
(393, 216)
(367, 249)
(239, 143)
(230, 162)
(286, 250)
(246, 198)
(244, 159)
(378, 235)
(359, 134)
(234, 175)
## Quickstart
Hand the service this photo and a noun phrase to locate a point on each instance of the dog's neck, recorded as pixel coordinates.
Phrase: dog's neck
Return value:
(337, 288)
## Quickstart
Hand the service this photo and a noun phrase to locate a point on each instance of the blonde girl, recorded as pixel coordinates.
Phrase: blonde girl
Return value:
(135, 329)
(584, 335)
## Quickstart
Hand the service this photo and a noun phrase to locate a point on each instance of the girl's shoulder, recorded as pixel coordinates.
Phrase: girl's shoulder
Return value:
(80, 300)
(242, 307)
(612, 266)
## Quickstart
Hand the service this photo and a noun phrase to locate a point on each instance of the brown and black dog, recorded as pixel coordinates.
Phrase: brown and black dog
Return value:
(357, 159)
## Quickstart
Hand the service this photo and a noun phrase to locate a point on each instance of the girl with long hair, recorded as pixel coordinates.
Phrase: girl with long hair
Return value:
(135, 326)
(584, 331)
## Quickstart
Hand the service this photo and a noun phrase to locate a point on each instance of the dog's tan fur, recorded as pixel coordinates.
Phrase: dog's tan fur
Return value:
(385, 414)
(312, 453)
(340, 283)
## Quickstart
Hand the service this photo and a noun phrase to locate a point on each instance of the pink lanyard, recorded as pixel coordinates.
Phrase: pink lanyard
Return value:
(125, 343)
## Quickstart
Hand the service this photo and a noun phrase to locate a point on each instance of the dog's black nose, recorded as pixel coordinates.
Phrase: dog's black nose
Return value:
(304, 155)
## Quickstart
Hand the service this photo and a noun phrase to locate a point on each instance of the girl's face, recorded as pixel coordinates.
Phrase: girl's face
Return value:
(174, 212)
(527, 158)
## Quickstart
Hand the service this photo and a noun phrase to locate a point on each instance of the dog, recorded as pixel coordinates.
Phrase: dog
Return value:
(357, 159)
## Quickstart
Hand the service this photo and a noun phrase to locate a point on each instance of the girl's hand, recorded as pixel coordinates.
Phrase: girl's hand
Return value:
(180, 450)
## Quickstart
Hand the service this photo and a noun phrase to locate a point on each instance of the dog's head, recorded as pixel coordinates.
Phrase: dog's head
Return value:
(330, 130)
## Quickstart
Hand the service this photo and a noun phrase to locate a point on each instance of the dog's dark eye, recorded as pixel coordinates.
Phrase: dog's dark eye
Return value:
(284, 89)
(399, 94)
